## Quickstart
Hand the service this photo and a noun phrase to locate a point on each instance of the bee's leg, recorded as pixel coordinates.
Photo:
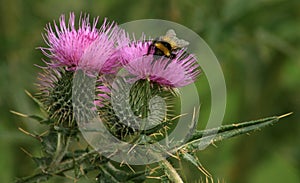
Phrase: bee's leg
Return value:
(172, 56)
(150, 49)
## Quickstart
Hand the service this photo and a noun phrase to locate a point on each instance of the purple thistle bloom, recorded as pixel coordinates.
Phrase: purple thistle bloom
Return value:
(130, 50)
(86, 48)
(66, 44)
(133, 51)
(177, 72)
(101, 55)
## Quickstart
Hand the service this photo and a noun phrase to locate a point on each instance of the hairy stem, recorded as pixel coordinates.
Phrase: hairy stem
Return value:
(171, 172)
(62, 145)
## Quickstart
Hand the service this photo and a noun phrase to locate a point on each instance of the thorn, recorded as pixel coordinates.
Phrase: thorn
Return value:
(28, 93)
(202, 169)
(19, 114)
(24, 131)
(172, 155)
(153, 170)
(284, 115)
(151, 177)
(26, 152)
(44, 133)
(213, 144)
(29, 134)
(130, 167)
(178, 155)
(179, 116)
(122, 163)
(131, 148)
(81, 169)
(112, 154)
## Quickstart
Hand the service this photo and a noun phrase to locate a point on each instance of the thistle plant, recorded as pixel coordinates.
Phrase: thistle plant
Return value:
(123, 89)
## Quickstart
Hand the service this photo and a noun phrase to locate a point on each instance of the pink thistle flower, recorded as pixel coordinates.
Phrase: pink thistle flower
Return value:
(86, 48)
(133, 51)
(177, 72)
(101, 55)
(129, 50)
(66, 44)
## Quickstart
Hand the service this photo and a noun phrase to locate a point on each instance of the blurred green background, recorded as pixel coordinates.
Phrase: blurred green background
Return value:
(257, 43)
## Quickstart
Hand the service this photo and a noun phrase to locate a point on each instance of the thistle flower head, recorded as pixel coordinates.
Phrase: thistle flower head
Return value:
(86, 48)
(176, 72)
(66, 43)
(101, 55)
(134, 51)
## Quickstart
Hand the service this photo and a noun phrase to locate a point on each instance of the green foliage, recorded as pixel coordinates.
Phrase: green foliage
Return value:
(58, 158)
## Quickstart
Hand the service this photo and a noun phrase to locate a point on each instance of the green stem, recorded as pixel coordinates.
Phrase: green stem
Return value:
(171, 172)
(62, 146)
(145, 107)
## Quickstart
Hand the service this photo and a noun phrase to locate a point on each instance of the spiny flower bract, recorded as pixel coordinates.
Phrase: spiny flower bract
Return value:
(55, 87)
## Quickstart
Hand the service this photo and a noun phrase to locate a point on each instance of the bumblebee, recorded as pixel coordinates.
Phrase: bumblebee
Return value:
(166, 45)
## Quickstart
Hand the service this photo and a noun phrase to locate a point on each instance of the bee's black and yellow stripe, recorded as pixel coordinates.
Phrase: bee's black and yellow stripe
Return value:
(167, 45)
(161, 48)
(164, 47)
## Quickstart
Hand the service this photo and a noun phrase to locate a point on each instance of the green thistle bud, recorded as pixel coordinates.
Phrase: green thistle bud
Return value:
(142, 108)
(55, 85)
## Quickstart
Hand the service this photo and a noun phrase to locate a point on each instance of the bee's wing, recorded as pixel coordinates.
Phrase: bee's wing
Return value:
(172, 39)
(181, 43)
(170, 33)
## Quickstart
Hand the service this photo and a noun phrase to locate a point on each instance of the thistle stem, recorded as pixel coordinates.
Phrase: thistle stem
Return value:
(145, 107)
(62, 145)
(171, 172)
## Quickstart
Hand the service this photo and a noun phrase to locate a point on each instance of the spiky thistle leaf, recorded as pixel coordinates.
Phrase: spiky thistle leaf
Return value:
(201, 139)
